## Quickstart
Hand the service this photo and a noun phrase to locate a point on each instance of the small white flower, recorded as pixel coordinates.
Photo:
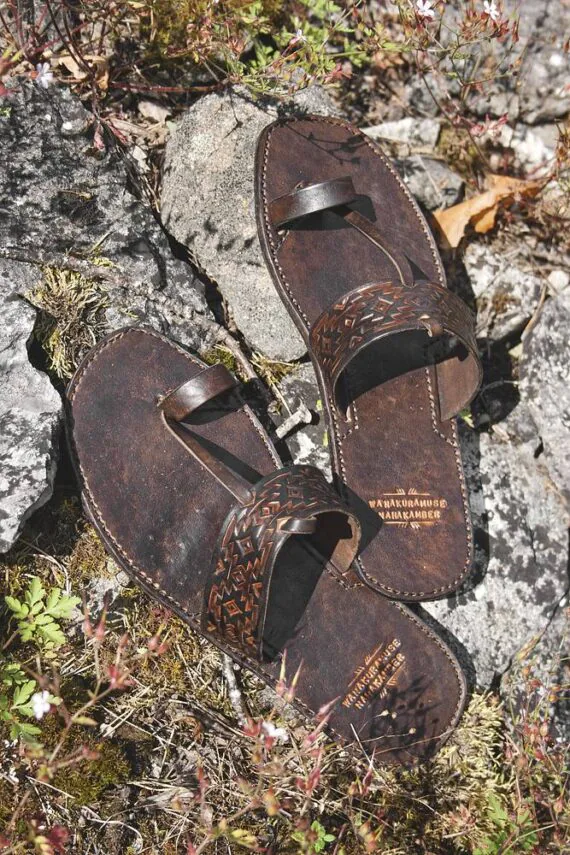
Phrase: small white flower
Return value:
(491, 10)
(277, 733)
(44, 75)
(40, 704)
(425, 9)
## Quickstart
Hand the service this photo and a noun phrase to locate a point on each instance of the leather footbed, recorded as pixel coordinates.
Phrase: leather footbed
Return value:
(159, 513)
(396, 462)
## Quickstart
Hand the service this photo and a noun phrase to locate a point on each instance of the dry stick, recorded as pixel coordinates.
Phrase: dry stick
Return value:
(224, 337)
(300, 416)
(536, 314)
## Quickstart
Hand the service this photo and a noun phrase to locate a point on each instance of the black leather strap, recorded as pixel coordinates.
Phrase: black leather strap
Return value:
(310, 200)
(337, 194)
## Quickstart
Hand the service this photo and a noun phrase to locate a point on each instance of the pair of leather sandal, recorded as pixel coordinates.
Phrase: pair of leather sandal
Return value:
(191, 498)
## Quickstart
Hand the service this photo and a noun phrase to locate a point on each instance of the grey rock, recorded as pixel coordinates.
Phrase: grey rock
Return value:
(506, 296)
(432, 182)
(412, 131)
(543, 78)
(533, 148)
(544, 92)
(30, 410)
(62, 200)
(520, 526)
(545, 375)
(60, 196)
(418, 94)
(207, 204)
(559, 280)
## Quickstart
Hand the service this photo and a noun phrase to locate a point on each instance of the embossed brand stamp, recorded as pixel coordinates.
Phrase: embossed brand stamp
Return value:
(376, 675)
(409, 509)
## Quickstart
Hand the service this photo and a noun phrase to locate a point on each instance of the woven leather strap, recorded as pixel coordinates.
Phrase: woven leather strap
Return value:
(370, 312)
(289, 501)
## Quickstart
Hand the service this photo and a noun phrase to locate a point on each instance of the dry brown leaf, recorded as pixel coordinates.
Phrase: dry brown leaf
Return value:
(481, 210)
(98, 64)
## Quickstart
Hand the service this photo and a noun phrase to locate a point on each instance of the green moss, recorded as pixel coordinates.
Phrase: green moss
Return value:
(57, 537)
(70, 319)
(223, 355)
(88, 780)
(88, 559)
(190, 665)
(272, 370)
(451, 796)
(8, 796)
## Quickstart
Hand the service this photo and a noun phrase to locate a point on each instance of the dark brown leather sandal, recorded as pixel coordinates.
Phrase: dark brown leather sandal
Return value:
(191, 499)
(394, 350)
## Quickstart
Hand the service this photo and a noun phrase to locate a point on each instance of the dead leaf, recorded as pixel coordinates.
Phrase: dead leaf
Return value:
(481, 210)
(152, 110)
(97, 65)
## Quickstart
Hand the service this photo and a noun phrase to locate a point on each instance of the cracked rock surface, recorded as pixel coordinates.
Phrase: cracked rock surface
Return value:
(520, 526)
(544, 382)
(60, 196)
(506, 295)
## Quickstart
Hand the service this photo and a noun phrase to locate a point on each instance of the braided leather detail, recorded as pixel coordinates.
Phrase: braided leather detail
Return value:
(371, 311)
(251, 537)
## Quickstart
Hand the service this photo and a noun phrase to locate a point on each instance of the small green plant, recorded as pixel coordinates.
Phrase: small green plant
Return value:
(512, 832)
(315, 839)
(16, 690)
(38, 614)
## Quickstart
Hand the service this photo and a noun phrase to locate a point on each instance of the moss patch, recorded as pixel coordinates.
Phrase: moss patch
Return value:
(70, 319)
(223, 355)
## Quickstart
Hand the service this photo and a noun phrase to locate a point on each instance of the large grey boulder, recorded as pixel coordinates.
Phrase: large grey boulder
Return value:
(29, 414)
(207, 203)
(63, 198)
(65, 203)
(520, 526)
